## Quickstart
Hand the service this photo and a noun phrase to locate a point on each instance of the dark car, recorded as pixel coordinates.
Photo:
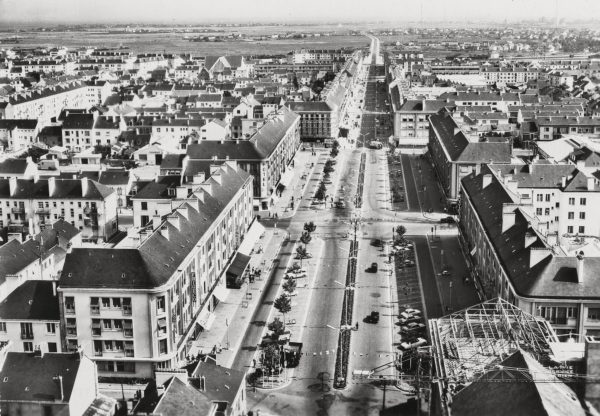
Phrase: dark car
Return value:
(373, 268)
(373, 318)
(377, 242)
(447, 220)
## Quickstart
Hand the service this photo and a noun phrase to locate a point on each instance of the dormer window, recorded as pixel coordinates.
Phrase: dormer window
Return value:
(171, 191)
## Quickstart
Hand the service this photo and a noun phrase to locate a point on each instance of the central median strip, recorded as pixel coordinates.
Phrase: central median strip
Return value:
(343, 350)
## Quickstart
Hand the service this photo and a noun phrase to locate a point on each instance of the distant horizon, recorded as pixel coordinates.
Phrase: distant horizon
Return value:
(200, 12)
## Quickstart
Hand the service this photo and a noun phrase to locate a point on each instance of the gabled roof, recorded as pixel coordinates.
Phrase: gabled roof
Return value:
(157, 258)
(64, 189)
(23, 124)
(554, 276)
(460, 149)
(159, 188)
(78, 121)
(13, 166)
(507, 391)
(33, 300)
(30, 379)
(182, 400)
(308, 106)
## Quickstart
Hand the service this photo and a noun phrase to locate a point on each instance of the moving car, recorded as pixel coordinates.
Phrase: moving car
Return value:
(373, 318)
(445, 272)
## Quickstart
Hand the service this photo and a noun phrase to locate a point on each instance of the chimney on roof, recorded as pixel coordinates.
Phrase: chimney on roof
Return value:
(530, 238)
(580, 260)
(563, 181)
(508, 216)
(164, 231)
(202, 383)
(174, 220)
(54, 288)
(156, 220)
(59, 380)
(198, 178)
(183, 210)
(181, 192)
(51, 186)
(537, 254)
(590, 183)
(12, 184)
(486, 181)
(206, 187)
(84, 186)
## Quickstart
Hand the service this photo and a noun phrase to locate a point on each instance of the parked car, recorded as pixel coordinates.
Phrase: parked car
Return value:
(373, 318)
(296, 275)
(413, 326)
(447, 220)
(377, 242)
(372, 268)
(409, 319)
(412, 311)
(411, 345)
(445, 272)
(340, 204)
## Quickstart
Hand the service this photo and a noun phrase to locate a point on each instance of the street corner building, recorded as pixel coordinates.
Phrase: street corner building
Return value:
(133, 308)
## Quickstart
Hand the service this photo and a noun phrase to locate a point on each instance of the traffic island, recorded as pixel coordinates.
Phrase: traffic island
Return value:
(343, 350)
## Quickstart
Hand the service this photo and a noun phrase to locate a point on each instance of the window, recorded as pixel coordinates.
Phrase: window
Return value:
(52, 347)
(593, 314)
(582, 201)
(547, 211)
(571, 201)
(540, 197)
(547, 197)
(144, 206)
(70, 304)
(116, 302)
(26, 330)
(107, 324)
(581, 229)
(538, 211)
(51, 328)
(570, 229)
(160, 304)
(118, 345)
(108, 345)
(118, 324)
(106, 302)
(28, 346)
(2, 326)
(571, 215)
(582, 215)
(163, 347)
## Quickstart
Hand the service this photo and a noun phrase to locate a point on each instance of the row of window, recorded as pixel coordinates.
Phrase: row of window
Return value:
(28, 346)
(27, 328)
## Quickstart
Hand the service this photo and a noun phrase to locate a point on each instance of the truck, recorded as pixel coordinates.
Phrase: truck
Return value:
(374, 144)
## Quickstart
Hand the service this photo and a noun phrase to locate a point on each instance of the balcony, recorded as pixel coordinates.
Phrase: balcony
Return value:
(18, 210)
(72, 331)
(129, 353)
(95, 309)
(42, 211)
(127, 310)
(90, 211)
(70, 310)
(26, 335)
(97, 353)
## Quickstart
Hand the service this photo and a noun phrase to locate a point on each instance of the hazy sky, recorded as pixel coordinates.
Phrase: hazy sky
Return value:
(197, 11)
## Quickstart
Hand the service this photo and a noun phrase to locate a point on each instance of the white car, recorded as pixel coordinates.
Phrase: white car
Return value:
(296, 275)
(411, 345)
(412, 311)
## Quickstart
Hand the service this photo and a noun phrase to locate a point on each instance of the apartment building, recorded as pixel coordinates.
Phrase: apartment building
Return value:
(552, 128)
(411, 121)
(509, 75)
(82, 131)
(134, 308)
(497, 101)
(18, 134)
(265, 155)
(318, 120)
(516, 256)
(30, 205)
(45, 103)
(455, 156)
(51, 384)
(30, 318)
(40, 257)
(171, 131)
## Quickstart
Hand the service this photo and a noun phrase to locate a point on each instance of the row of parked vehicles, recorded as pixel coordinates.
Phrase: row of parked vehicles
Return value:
(412, 329)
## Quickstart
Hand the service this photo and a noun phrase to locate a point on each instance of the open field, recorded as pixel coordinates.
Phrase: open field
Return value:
(175, 43)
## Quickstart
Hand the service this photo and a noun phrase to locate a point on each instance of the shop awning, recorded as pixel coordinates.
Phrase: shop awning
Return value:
(251, 237)
(203, 317)
(238, 265)
(221, 293)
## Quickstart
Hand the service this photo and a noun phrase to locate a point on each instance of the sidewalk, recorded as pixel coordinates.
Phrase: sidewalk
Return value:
(297, 186)
(233, 315)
